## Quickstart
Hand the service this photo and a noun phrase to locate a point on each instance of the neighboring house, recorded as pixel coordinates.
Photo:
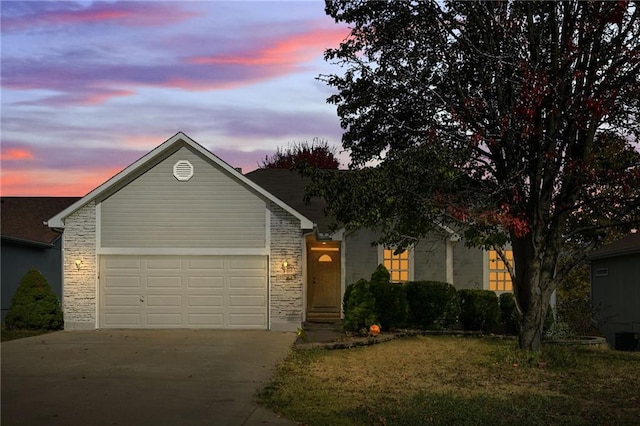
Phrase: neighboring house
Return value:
(28, 243)
(182, 239)
(615, 291)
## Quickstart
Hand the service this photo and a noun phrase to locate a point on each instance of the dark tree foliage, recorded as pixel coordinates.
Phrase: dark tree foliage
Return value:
(513, 121)
(316, 154)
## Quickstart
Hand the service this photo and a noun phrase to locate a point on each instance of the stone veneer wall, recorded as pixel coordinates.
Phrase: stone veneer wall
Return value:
(79, 285)
(286, 286)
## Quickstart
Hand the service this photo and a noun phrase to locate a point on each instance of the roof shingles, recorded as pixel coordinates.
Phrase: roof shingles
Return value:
(23, 218)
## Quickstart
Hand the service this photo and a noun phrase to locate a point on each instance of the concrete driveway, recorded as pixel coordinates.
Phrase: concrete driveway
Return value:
(163, 377)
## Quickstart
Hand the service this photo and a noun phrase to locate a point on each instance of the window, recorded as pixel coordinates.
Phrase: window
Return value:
(398, 265)
(499, 277)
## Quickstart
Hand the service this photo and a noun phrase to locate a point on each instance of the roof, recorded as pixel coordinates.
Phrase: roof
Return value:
(627, 245)
(162, 151)
(23, 218)
(289, 186)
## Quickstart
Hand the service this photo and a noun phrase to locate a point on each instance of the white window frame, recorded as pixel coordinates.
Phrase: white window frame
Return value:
(411, 260)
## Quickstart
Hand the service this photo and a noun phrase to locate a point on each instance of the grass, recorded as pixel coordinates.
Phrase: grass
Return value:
(453, 380)
(6, 335)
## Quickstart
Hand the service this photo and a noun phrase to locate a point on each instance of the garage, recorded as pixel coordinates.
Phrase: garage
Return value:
(181, 239)
(183, 292)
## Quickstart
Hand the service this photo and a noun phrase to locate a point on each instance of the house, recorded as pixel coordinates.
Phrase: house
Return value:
(28, 243)
(182, 239)
(338, 258)
(615, 291)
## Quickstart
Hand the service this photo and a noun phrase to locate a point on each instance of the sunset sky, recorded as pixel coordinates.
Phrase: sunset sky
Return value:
(90, 87)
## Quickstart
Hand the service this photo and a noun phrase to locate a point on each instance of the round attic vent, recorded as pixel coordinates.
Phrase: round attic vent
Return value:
(183, 170)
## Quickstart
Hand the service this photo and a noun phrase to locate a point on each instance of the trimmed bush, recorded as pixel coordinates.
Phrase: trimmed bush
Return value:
(390, 300)
(360, 307)
(432, 304)
(479, 309)
(34, 306)
(509, 315)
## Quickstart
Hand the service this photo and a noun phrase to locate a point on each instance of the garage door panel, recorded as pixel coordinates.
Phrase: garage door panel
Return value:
(246, 320)
(122, 282)
(164, 300)
(198, 300)
(246, 282)
(164, 282)
(207, 320)
(164, 320)
(163, 263)
(122, 263)
(253, 301)
(187, 291)
(123, 320)
(206, 282)
(115, 301)
(206, 262)
(246, 263)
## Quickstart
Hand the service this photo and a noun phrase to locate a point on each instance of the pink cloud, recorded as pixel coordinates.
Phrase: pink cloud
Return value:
(287, 52)
(13, 154)
(54, 183)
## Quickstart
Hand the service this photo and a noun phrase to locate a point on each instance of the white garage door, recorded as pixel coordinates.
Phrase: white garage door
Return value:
(183, 292)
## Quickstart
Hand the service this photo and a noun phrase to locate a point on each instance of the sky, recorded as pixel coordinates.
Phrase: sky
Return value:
(87, 88)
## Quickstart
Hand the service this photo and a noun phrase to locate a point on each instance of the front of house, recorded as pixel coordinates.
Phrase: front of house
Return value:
(180, 239)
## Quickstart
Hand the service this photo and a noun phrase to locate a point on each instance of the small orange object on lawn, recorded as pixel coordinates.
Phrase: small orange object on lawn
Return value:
(374, 330)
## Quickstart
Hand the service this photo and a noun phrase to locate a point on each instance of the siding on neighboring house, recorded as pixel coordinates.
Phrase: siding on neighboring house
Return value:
(79, 289)
(211, 210)
(285, 285)
(615, 295)
(19, 258)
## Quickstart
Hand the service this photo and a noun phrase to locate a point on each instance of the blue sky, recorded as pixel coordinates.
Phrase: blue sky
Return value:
(89, 87)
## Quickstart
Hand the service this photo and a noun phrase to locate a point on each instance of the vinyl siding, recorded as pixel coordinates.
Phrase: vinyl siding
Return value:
(211, 210)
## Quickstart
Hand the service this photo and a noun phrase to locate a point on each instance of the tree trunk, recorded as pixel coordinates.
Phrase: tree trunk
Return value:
(534, 284)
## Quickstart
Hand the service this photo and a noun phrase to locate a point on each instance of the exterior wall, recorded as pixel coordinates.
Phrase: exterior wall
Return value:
(79, 288)
(286, 302)
(361, 258)
(18, 259)
(211, 210)
(430, 257)
(616, 296)
(469, 267)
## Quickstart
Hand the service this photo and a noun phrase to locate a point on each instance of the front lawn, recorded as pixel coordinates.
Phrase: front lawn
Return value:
(457, 380)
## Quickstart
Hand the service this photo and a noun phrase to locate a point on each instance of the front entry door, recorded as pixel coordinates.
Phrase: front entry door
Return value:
(323, 296)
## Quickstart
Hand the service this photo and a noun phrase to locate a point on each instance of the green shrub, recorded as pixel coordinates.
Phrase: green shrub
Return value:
(34, 306)
(360, 307)
(390, 300)
(432, 304)
(479, 309)
(509, 314)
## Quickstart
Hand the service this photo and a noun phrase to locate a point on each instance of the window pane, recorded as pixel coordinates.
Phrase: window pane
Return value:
(499, 278)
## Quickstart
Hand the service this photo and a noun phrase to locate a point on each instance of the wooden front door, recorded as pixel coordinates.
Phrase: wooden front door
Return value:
(323, 289)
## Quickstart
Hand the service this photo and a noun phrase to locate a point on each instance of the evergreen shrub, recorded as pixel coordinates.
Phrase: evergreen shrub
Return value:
(390, 299)
(509, 315)
(432, 304)
(360, 307)
(479, 309)
(34, 306)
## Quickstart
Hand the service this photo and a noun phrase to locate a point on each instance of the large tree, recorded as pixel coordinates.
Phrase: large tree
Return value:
(514, 121)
